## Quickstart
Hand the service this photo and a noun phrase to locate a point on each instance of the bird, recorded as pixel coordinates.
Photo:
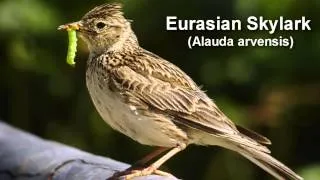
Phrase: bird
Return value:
(154, 102)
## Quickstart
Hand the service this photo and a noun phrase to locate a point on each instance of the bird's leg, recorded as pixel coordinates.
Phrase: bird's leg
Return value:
(149, 157)
(142, 162)
(154, 166)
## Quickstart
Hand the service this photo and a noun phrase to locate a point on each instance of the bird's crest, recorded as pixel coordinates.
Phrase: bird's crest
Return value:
(105, 10)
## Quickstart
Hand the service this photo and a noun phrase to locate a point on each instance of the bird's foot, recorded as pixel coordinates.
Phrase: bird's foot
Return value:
(132, 173)
(145, 172)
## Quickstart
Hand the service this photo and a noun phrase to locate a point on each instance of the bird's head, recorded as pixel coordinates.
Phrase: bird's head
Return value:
(103, 28)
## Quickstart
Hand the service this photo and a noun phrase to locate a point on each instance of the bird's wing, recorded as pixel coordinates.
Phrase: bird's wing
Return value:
(149, 64)
(164, 88)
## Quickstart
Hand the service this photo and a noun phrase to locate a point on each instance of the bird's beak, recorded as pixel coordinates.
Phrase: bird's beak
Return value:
(71, 26)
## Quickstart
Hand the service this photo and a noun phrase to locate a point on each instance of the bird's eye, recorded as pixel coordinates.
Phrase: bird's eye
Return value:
(100, 25)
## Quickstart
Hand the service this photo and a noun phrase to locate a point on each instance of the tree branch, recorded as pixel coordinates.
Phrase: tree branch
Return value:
(25, 156)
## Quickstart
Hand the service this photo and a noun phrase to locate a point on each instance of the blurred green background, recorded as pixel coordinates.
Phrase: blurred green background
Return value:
(275, 91)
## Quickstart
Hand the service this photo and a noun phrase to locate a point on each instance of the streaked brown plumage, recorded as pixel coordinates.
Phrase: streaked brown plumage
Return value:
(154, 102)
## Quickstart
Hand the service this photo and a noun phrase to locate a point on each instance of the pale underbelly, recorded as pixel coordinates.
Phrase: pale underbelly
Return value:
(126, 120)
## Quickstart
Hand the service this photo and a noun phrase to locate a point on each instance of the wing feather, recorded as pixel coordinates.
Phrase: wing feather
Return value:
(167, 89)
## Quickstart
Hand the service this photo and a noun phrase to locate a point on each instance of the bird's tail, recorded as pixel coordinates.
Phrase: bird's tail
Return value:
(250, 145)
(268, 163)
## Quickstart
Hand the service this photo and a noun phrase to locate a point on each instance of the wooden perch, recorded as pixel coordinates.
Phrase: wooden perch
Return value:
(25, 156)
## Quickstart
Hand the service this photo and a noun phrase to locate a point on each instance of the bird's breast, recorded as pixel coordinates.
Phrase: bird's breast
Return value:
(123, 117)
(107, 102)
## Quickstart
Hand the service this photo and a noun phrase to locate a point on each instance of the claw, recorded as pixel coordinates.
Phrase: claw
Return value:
(138, 173)
(130, 174)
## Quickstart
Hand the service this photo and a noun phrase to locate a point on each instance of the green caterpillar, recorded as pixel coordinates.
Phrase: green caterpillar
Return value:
(72, 47)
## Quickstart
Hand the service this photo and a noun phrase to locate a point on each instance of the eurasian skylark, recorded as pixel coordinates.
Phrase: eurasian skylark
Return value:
(153, 101)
